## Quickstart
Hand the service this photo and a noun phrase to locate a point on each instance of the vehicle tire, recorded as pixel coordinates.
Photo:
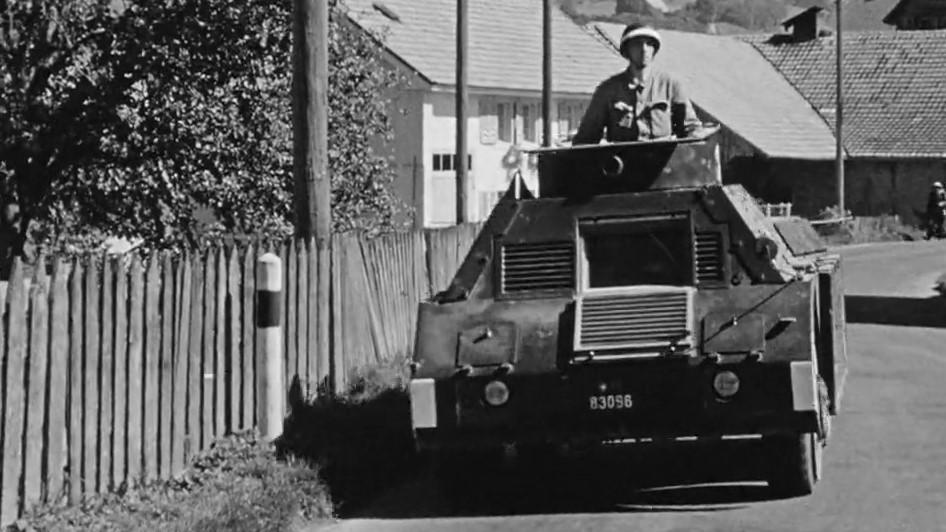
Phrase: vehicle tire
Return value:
(794, 463)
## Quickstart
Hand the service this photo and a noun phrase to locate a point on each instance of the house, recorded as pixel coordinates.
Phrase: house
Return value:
(505, 93)
(893, 113)
(771, 134)
(918, 15)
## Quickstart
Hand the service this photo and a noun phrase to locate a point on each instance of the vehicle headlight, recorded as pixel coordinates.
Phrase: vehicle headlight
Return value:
(726, 384)
(496, 393)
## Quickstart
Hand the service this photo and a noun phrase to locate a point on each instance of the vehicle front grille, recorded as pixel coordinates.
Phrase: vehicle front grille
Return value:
(634, 318)
(709, 256)
(536, 267)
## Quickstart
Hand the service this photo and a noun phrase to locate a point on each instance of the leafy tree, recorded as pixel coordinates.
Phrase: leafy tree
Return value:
(130, 122)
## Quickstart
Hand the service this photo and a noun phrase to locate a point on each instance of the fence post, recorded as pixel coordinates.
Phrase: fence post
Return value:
(272, 392)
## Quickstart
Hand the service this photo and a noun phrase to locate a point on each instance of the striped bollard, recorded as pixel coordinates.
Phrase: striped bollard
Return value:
(268, 322)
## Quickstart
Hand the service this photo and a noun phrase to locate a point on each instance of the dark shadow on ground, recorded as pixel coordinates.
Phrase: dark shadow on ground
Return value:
(362, 445)
(685, 478)
(893, 310)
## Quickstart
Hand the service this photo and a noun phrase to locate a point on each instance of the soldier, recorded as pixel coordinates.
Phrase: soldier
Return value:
(638, 103)
(935, 210)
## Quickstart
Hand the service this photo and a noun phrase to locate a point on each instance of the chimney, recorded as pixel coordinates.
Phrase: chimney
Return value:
(803, 24)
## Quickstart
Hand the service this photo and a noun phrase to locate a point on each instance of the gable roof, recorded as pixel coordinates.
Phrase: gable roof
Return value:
(894, 102)
(729, 80)
(505, 43)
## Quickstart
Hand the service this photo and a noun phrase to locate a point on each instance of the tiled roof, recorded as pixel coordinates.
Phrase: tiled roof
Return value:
(505, 43)
(894, 95)
(734, 84)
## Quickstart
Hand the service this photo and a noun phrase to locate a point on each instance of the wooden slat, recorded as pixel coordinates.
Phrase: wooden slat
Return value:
(135, 372)
(38, 363)
(166, 366)
(235, 340)
(314, 375)
(4, 290)
(248, 354)
(107, 376)
(76, 379)
(152, 323)
(90, 461)
(302, 314)
(56, 433)
(337, 354)
(373, 300)
(14, 396)
(207, 353)
(290, 284)
(179, 388)
(120, 412)
(194, 367)
(220, 338)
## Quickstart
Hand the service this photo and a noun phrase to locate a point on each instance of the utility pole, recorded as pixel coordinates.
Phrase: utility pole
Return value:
(461, 112)
(313, 185)
(839, 114)
(546, 72)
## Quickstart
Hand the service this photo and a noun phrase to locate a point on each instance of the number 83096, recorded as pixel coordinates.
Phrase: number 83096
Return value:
(610, 402)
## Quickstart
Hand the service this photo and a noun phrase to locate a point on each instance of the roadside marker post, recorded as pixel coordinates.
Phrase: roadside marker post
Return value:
(269, 326)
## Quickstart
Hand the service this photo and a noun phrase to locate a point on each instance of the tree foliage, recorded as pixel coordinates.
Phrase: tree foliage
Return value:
(133, 121)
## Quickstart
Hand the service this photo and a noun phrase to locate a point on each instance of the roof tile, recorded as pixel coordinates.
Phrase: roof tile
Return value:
(505, 43)
(894, 100)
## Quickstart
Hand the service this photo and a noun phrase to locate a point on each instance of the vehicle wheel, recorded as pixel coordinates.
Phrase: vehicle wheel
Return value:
(794, 463)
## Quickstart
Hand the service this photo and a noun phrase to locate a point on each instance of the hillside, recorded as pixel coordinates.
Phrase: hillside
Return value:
(726, 16)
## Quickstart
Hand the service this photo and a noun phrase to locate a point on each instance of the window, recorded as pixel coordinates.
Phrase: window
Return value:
(447, 162)
(529, 120)
(504, 114)
(663, 253)
(569, 117)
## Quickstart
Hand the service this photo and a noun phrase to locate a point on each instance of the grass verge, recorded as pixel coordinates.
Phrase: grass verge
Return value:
(240, 484)
(334, 456)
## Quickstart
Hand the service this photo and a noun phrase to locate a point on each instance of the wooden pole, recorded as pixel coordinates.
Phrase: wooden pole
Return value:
(839, 115)
(313, 185)
(461, 112)
(547, 72)
(310, 118)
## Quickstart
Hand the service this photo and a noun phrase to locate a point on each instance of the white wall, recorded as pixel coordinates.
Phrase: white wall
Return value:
(489, 176)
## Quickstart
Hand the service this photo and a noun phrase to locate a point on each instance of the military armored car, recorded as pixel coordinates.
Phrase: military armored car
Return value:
(634, 298)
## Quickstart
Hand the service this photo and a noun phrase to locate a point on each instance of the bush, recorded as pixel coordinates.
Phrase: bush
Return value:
(863, 229)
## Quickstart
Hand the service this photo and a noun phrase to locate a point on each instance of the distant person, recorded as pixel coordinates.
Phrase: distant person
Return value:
(936, 210)
(639, 103)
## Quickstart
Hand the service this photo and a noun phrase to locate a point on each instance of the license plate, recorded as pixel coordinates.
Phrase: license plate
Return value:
(616, 401)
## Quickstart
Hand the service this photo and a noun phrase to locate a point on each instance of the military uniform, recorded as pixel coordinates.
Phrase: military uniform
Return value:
(622, 109)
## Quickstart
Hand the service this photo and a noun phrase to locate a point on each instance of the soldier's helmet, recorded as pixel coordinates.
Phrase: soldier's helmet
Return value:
(639, 31)
(937, 184)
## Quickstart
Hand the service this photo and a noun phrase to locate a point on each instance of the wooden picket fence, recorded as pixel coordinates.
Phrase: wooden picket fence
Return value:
(116, 371)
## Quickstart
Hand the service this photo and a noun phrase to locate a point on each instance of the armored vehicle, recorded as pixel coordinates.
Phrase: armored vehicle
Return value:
(636, 299)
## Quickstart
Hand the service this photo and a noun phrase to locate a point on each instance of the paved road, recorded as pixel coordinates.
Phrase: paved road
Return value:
(885, 465)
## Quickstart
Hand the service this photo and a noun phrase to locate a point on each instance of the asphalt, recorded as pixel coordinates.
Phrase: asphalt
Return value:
(885, 466)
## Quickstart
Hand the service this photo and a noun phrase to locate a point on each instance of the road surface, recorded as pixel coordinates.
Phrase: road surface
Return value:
(885, 464)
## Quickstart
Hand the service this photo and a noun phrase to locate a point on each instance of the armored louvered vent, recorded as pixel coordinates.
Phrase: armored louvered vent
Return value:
(709, 256)
(634, 318)
(536, 267)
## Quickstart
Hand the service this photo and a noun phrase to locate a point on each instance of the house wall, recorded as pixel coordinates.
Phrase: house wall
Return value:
(871, 187)
(494, 136)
